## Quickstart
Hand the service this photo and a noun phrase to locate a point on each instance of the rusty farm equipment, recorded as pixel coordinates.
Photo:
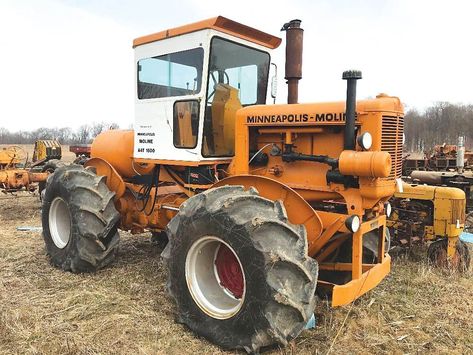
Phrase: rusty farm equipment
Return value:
(444, 157)
(17, 174)
(14, 177)
(433, 216)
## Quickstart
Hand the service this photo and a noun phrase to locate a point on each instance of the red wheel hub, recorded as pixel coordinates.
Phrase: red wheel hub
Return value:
(229, 271)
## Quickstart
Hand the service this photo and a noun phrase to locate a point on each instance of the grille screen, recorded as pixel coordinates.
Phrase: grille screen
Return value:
(391, 142)
(458, 211)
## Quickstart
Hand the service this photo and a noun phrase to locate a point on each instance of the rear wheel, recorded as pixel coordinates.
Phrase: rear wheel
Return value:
(50, 167)
(238, 270)
(437, 254)
(79, 220)
(160, 239)
(469, 222)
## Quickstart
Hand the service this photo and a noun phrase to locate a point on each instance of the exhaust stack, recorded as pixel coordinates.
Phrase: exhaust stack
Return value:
(460, 155)
(294, 44)
(351, 76)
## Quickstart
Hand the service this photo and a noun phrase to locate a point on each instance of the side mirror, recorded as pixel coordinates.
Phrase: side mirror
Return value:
(274, 83)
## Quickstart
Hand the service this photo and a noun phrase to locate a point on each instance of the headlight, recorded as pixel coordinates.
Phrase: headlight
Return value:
(388, 209)
(353, 223)
(365, 141)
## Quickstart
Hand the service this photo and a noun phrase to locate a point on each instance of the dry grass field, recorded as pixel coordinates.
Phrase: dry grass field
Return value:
(124, 308)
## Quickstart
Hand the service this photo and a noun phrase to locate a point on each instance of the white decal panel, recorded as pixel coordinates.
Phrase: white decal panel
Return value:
(145, 141)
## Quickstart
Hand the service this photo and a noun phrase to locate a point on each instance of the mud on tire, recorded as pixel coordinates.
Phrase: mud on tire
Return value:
(279, 279)
(79, 220)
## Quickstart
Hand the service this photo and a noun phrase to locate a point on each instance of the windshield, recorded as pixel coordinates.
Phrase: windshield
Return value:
(244, 68)
(238, 76)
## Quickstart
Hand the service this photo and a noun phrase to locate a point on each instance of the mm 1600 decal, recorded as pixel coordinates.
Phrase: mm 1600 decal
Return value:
(296, 118)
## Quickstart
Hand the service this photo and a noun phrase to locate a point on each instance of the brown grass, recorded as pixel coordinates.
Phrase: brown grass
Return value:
(124, 309)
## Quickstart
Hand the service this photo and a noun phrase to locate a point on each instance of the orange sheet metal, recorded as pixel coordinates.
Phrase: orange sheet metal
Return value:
(345, 294)
(219, 23)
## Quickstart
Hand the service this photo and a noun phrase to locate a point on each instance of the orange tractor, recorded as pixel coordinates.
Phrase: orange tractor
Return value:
(261, 203)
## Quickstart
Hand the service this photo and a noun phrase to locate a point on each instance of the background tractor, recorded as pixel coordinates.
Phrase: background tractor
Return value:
(433, 215)
(261, 203)
(17, 173)
(45, 150)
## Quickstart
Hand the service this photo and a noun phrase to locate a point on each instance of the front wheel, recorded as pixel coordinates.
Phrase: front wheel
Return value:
(79, 220)
(50, 167)
(238, 270)
(437, 254)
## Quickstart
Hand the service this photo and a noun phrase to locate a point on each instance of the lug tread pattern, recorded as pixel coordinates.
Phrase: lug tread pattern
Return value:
(290, 274)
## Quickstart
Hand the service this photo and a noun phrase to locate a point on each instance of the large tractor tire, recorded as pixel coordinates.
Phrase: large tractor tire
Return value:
(437, 254)
(50, 167)
(159, 239)
(79, 220)
(238, 270)
(469, 223)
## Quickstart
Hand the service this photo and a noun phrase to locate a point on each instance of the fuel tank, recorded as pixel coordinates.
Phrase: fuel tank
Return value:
(116, 148)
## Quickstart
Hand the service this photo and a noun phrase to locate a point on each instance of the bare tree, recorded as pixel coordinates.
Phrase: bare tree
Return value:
(65, 135)
(83, 134)
(440, 123)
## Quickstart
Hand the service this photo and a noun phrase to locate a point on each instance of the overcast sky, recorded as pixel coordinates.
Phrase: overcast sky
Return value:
(69, 62)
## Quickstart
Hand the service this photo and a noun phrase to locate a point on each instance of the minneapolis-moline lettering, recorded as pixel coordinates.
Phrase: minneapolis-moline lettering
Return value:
(278, 118)
(330, 117)
(145, 141)
(303, 117)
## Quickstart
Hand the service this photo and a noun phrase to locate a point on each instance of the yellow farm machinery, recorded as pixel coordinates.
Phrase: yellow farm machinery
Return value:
(433, 215)
(17, 173)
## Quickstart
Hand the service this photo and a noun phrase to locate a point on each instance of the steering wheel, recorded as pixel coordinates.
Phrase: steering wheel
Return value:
(216, 82)
(15, 152)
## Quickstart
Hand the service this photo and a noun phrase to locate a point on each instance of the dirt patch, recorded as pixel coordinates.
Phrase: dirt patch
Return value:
(124, 309)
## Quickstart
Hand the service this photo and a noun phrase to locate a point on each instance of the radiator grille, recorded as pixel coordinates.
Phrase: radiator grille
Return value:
(458, 211)
(391, 142)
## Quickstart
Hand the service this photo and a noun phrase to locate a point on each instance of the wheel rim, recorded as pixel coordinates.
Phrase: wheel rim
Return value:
(59, 222)
(215, 277)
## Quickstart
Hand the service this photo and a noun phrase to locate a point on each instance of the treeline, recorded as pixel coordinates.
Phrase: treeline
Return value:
(84, 134)
(440, 123)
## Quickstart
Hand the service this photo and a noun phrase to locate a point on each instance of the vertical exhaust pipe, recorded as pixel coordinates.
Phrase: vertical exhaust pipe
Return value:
(294, 38)
(460, 154)
(351, 76)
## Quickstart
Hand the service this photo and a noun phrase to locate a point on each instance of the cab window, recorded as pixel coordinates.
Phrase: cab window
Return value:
(185, 123)
(174, 74)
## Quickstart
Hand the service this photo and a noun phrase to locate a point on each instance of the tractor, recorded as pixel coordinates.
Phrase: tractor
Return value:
(16, 174)
(46, 150)
(262, 206)
(433, 215)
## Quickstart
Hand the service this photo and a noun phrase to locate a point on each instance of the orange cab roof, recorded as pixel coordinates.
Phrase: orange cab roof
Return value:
(219, 23)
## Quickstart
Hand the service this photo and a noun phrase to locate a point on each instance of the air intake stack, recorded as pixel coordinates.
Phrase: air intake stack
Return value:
(351, 76)
(460, 154)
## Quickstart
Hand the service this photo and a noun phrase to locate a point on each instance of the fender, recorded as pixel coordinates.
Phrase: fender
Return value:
(113, 180)
(298, 210)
